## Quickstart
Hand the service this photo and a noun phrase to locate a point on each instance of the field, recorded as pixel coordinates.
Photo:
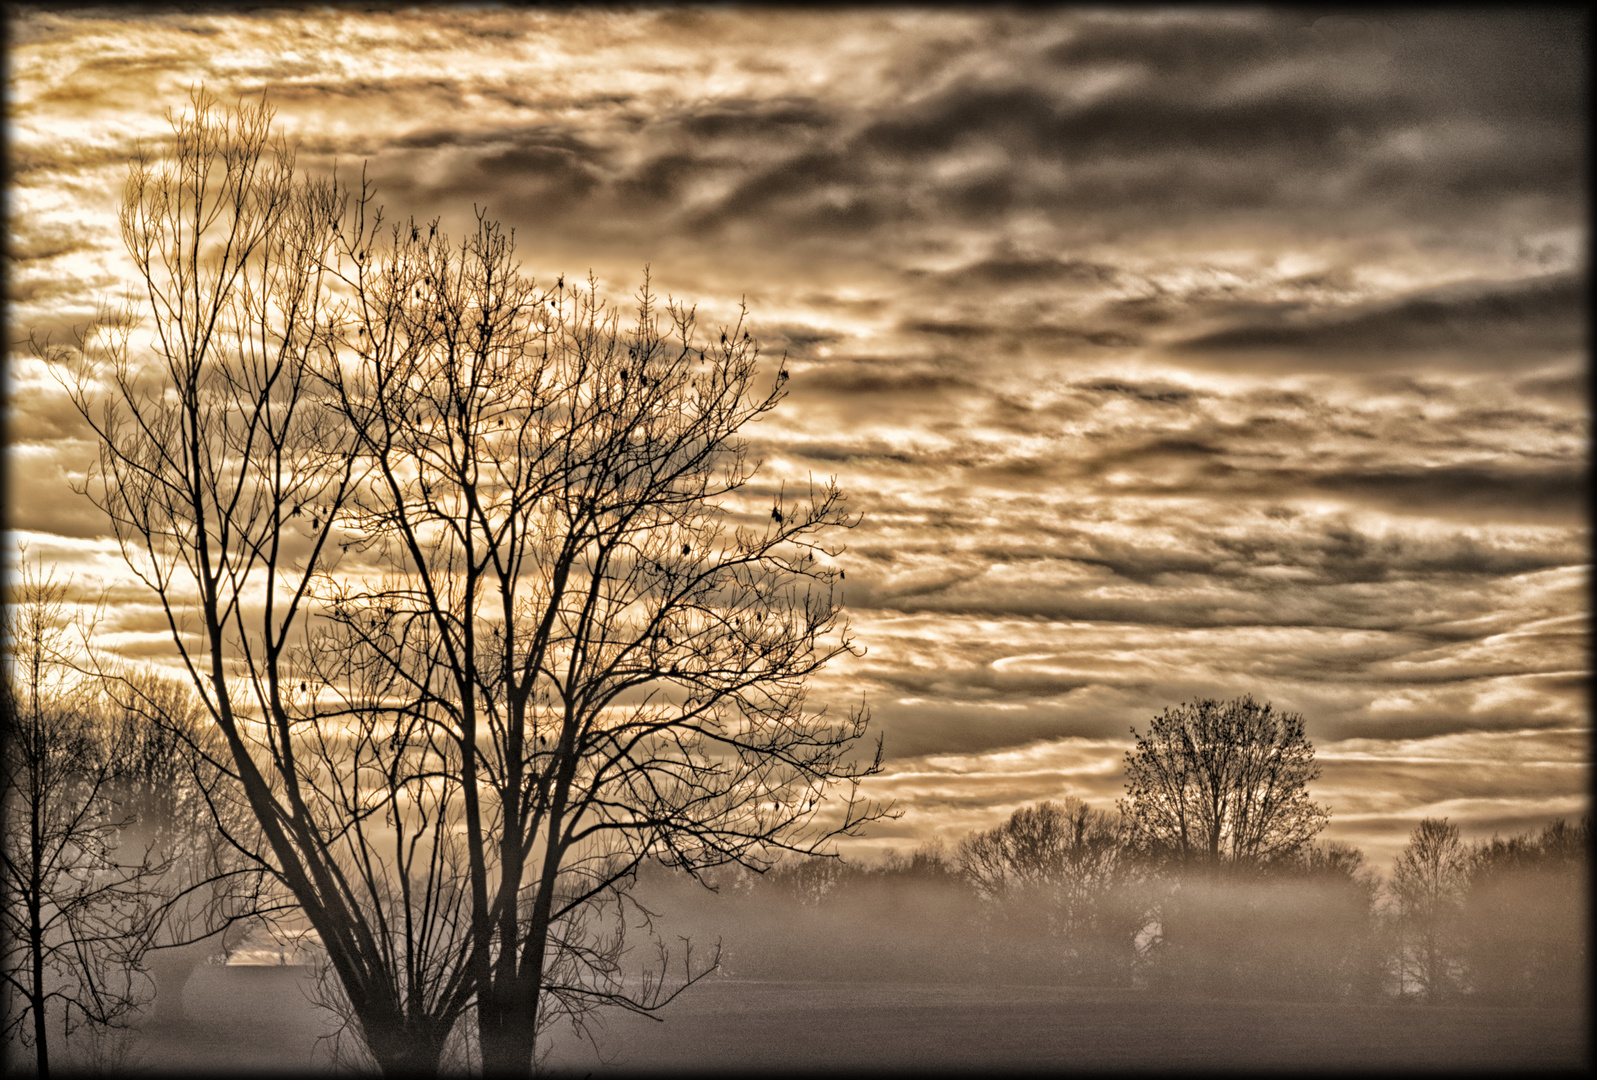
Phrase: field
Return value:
(742, 1026)
(257, 1019)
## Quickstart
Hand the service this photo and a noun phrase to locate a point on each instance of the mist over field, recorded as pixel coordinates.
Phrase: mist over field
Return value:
(900, 964)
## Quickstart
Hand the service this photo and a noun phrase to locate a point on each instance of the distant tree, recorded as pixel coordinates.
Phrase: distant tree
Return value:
(185, 813)
(78, 908)
(1429, 882)
(1303, 928)
(1523, 922)
(1222, 783)
(1044, 845)
(1060, 872)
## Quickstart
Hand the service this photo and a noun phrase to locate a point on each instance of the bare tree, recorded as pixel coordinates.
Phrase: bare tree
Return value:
(183, 815)
(1068, 849)
(220, 469)
(1060, 872)
(580, 598)
(447, 558)
(78, 908)
(1223, 782)
(1429, 882)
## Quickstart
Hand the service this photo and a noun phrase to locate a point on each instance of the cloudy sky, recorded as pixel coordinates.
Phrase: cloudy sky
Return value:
(1167, 354)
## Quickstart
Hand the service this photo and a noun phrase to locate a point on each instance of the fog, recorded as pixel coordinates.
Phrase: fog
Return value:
(1306, 933)
(902, 963)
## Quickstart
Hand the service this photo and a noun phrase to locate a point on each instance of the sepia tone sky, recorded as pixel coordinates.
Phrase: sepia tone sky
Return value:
(1166, 354)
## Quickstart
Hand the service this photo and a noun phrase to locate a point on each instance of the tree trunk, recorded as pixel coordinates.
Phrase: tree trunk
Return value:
(508, 1034)
(41, 1038)
(402, 1051)
(41, 1044)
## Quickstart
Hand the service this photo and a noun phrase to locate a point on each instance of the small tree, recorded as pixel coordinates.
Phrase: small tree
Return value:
(186, 816)
(1523, 923)
(1060, 873)
(1222, 783)
(78, 908)
(1429, 882)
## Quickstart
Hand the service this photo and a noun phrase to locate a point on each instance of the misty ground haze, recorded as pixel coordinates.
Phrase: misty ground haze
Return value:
(896, 974)
(257, 1021)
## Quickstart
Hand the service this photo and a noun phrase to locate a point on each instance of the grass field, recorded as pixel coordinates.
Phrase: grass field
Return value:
(257, 1020)
(742, 1026)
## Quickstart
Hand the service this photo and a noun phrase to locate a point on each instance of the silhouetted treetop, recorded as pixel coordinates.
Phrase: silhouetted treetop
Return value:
(1223, 782)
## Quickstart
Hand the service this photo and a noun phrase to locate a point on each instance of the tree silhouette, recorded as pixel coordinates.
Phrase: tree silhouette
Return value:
(577, 601)
(79, 907)
(206, 401)
(181, 814)
(1060, 877)
(1222, 783)
(1059, 881)
(1428, 884)
(468, 579)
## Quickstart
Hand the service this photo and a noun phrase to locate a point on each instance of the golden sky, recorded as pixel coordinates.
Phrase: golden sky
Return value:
(1167, 354)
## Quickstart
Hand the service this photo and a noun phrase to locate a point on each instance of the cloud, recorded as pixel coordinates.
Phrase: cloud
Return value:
(532, 174)
(35, 242)
(740, 119)
(1165, 353)
(1552, 491)
(1142, 146)
(1008, 269)
(27, 162)
(1475, 324)
(1563, 385)
(1185, 48)
(1164, 394)
(39, 483)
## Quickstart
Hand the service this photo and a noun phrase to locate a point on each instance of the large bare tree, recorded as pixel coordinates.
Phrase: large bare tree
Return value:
(1217, 782)
(205, 395)
(469, 579)
(580, 595)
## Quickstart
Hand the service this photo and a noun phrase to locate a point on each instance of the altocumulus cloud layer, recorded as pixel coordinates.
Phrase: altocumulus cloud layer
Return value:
(1166, 354)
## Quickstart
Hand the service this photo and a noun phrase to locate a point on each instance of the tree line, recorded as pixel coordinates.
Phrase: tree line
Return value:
(1207, 879)
(1508, 925)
